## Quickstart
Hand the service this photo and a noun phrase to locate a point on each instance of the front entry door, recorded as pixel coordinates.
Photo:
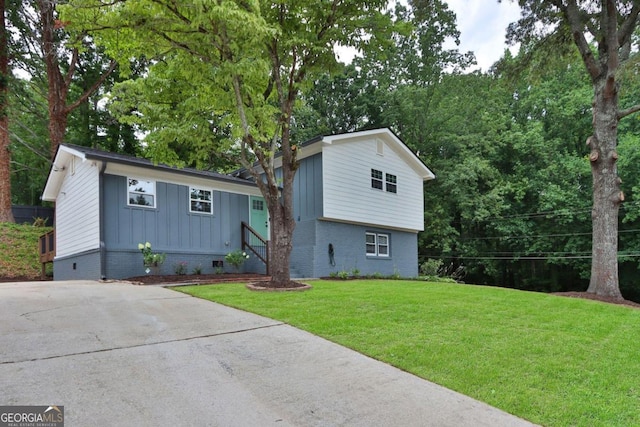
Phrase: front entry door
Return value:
(259, 220)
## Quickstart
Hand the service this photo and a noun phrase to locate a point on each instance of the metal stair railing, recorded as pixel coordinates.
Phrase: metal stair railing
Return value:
(255, 243)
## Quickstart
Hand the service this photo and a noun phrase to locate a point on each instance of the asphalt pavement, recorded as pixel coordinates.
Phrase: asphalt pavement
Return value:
(116, 354)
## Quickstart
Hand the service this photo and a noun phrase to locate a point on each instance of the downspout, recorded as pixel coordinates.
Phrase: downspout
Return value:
(103, 250)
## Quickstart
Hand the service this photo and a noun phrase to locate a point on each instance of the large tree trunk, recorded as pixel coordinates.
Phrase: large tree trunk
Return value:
(57, 91)
(5, 155)
(607, 195)
(281, 246)
(282, 220)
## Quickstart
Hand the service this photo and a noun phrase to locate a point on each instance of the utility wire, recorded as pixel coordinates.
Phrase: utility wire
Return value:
(555, 212)
(526, 257)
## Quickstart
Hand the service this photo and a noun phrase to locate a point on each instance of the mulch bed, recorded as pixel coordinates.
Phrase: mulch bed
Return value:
(256, 282)
(276, 287)
(197, 279)
(594, 297)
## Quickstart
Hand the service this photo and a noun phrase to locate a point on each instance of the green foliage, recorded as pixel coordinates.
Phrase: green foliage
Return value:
(236, 258)
(541, 357)
(430, 267)
(149, 258)
(180, 268)
(28, 143)
(512, 198)
(188, 97)
(19, 257)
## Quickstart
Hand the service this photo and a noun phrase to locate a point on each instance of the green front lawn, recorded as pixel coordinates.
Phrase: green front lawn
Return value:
(552, 360)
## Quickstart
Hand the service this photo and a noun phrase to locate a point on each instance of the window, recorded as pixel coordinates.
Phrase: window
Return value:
(257, 205)
(141, 193)
(392, 183)
(371, 244)
(377, 244)
(383, 245)
(376, 179)
(200, 200)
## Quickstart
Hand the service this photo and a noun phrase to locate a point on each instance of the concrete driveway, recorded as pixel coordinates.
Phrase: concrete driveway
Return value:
(122, 355)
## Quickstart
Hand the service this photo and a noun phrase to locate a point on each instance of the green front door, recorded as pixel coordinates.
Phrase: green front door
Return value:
(259, 217)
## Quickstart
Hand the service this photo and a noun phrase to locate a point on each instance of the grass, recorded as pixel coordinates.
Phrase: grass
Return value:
(19, 250)
(552, 360)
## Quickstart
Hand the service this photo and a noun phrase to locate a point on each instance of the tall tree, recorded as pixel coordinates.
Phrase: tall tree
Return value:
(610, 24)
(61, 62)
(5, 157)
(247, 61)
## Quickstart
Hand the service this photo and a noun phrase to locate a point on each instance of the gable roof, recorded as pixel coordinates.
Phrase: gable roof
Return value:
(67, 151)
(390, 138)
(314, 146)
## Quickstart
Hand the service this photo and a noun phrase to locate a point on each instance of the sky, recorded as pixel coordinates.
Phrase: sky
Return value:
(482, 25)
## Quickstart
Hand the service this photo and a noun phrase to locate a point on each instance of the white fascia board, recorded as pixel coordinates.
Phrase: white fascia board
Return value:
(181, 179)
(371, 224)
(58, 172)
(397, 145)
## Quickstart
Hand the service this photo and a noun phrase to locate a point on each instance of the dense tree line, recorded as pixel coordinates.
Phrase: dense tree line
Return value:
(512, 202)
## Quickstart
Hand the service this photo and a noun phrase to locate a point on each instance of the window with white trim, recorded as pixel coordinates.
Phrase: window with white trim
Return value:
(384, 181)
(200, 201)
(392, 183)
(377, 244)
(376, 179)
(141, 192)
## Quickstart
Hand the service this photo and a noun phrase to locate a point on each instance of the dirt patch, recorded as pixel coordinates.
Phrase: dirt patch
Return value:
(587, 295)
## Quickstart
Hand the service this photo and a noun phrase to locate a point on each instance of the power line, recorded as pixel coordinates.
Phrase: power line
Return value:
(554, 212)
(527, 257)
(524, 236)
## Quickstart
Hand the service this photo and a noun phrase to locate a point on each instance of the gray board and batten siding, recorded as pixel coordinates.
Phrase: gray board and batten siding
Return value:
(109, 247)
(195, 238)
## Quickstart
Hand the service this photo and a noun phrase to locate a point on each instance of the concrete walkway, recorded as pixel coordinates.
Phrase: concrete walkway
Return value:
(122, 355)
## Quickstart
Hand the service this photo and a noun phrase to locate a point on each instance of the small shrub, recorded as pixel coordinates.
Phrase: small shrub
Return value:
(430, 267)
(149, 258)
(180, 268)
(236, 258)
(343, 275)
(197, 269)
(355, 272)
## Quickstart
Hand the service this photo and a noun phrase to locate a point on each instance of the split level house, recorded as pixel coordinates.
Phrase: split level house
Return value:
(358, 200)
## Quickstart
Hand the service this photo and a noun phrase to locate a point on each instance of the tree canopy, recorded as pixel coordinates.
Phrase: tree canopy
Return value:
(219, 85)
(234, 66)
